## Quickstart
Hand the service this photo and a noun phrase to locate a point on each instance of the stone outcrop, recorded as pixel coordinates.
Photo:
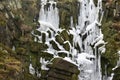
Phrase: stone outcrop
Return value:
(60, 69)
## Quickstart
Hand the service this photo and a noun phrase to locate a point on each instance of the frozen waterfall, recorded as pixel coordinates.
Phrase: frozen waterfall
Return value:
(87, 35)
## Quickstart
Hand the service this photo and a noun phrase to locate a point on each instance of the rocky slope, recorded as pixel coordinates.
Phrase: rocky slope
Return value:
(17, 19)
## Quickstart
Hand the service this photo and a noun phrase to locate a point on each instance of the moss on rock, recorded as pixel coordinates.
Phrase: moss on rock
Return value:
(10, 66)
(110, 29)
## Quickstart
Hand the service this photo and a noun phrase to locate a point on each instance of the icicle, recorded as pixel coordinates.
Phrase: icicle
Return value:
(31, 69)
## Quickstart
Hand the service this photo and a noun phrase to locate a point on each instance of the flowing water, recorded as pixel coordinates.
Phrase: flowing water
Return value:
(86, 34)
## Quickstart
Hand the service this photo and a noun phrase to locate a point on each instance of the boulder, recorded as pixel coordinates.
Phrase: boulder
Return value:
(61, 69)
(59, 63)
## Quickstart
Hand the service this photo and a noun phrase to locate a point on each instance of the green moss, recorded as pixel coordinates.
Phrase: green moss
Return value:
(28, 76)
(44, 74)
(46, 55)
(10, 51)
(62, 54)
(2, 65)
(59, 39)
(110, 57)
(66, 46)
(74, 77)
(10, 66)
(64, 19)
(117, 74)
(21, 51)
(64, 34)
(54, 45)
(68, 9)
(36, 47)
(3, 21)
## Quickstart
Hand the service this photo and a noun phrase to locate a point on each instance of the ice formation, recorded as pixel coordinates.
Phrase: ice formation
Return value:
(87, 35)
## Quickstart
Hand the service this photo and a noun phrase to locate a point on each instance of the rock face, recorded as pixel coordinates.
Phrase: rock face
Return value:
(110, 28)
(10, 66)
(61, 69)
(16, 19)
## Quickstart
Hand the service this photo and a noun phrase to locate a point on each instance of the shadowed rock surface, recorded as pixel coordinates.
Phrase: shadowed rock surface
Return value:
(60, 69)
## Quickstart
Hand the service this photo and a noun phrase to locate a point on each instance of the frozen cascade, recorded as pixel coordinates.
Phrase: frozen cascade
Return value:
(49, 14)
(87, 35)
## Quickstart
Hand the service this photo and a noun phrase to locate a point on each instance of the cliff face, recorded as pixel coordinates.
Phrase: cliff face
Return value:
(111, 31)
(17, 20)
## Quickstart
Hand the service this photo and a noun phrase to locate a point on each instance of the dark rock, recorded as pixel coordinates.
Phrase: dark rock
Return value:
(36, 32)
(59, 39)
(36, 47)
(62, 54)
(58, 76)
(66, 46)
(46, 55)
(64, 34)
(43, 37)
(54, 45)
(59, 63)
(44, 74)
(52, 78)
(62, 70)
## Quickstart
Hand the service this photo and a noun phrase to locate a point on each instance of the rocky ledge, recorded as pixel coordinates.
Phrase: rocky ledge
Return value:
(60, 69)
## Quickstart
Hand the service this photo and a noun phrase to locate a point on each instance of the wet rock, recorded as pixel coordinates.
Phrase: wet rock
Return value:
(58, 76)
(36, 47)
(64, 34)
(62, 54)
(62, 70)
(43, 37)
(36, 32)
(67, 9)
(46, 55)
(66, 46)
(59, 39)
(54, 45)
(61, 64)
